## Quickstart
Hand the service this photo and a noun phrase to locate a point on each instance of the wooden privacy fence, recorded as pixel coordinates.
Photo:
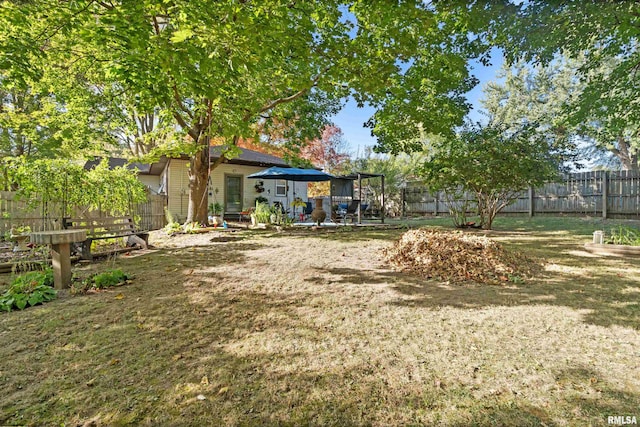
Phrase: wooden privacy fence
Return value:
(148, 215)
(597, 193)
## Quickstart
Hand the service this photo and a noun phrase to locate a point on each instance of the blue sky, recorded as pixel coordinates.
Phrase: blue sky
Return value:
(351, 118)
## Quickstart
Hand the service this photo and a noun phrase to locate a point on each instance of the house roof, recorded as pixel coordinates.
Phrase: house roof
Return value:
(246, 157)
(155, 168)
(249, 157)
(360, 175)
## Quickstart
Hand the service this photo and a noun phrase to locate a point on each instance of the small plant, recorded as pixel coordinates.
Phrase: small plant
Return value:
(192, 228)
(168, 216)
(172, 226)
(29, 289)
(21, 229)
(287, 221)
(215, 208)
(624, 235)
(109, 279)
(298, 202)
(263, 213)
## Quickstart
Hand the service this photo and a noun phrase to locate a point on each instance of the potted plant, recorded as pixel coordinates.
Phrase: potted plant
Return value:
(216, 213)
(298, 202)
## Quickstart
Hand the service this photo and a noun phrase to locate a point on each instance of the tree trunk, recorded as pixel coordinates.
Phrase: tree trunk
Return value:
(198, 179)
(624, 153)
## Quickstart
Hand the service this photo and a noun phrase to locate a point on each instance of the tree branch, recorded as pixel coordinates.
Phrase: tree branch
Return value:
(293, 97)
(178, 99)
(59, 27)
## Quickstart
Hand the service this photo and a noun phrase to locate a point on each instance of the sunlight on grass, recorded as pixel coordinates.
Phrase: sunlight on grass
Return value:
(314, 329)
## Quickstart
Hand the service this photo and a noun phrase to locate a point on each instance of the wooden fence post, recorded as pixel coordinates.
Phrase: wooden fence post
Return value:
(605, 193)
(531, 202)
(382, 210)
(436, 199)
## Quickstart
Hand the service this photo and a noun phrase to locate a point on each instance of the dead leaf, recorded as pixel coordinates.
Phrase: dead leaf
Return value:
(114, 362)
(204, 380)
(223, 390)
(458, 257)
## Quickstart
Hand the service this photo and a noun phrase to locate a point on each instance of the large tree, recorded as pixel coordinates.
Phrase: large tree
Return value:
(535, 98)
(601, 37)
(214, 69)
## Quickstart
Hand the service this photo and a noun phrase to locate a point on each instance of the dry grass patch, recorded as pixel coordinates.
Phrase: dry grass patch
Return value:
(314, 329)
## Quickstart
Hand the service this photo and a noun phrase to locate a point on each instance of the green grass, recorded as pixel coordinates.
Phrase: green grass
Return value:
(570, 225)
(313, 329)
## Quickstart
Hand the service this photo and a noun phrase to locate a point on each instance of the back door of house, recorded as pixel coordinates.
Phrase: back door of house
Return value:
(233, 193)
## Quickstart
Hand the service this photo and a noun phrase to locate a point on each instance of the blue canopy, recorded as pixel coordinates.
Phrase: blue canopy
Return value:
(292, 174)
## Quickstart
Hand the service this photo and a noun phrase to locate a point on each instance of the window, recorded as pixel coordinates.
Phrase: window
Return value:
(281, 187)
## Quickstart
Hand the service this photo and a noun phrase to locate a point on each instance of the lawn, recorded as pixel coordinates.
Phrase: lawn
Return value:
(313, 328)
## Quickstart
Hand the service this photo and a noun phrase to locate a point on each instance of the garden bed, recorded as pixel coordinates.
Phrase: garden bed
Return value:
(613, 250)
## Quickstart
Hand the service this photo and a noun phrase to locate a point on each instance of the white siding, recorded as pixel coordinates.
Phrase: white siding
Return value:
(150, 181)
(249, 193)
(178, 187)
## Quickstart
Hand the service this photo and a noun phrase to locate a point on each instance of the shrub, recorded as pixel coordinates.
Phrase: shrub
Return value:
(29, 289)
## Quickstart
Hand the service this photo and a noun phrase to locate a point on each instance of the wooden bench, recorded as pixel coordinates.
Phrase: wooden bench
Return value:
(106, 228)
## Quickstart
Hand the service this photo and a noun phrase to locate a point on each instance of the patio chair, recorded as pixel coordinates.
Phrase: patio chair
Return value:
(352, 211)
(308, 209)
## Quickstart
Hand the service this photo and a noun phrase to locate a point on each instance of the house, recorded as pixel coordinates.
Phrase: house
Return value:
(228, 182)
(229, 185)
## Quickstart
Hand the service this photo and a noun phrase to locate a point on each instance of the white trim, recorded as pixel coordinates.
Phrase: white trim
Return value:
(282, 187)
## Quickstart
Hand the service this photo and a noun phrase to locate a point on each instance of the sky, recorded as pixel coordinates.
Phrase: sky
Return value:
(351, 119)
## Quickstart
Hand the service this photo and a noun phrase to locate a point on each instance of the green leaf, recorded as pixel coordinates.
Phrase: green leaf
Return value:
(35, 298)
(20, 302)
(181, 35)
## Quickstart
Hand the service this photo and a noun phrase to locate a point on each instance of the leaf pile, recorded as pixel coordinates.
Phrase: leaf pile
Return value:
(458, 257)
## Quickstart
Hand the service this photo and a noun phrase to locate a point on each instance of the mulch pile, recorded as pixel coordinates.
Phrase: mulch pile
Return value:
(459, 257)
